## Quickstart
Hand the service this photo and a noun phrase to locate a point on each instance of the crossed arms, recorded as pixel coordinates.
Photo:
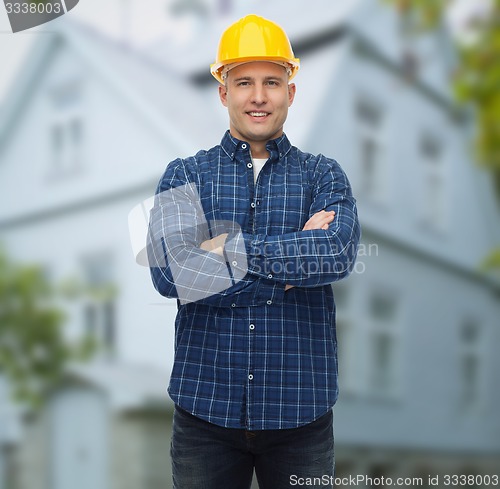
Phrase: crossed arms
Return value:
(320, 220)
(217, 263)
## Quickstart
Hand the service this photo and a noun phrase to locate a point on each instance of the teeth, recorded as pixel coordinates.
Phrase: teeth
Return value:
(258, 114)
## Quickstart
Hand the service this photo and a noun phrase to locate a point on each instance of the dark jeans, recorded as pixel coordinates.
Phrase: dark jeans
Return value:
(206, 456)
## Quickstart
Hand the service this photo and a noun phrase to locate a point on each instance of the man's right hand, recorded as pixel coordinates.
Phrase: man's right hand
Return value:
(320, 220)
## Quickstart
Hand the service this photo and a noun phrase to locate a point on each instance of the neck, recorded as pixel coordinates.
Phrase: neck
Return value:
(259, 150)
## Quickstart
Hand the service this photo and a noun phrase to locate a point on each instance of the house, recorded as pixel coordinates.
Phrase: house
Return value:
(84, 138)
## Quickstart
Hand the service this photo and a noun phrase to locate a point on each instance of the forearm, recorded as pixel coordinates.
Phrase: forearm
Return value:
(307, 258)
(190, 273)
(249, 291)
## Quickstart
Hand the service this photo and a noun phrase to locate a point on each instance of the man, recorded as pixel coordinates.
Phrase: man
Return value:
(248, 236)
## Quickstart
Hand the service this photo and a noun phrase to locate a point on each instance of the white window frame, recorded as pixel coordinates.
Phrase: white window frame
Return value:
(472, 350)
(66, 120)
(347, 342)
(391, 328)
(375, 190)
(98, 298)
(433, 202)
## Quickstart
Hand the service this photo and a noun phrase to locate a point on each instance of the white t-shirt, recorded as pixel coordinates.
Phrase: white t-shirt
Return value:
(258, 163)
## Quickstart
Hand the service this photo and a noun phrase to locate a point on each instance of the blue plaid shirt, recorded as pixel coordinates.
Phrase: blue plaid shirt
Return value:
(249, 354)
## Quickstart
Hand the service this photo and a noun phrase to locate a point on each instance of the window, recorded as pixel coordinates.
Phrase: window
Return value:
(383, 344)
(433, 187)
(409, 30)
(66, 129)
(371, 150)
(409, 64)
(470, 364)
(409, 24)
(369, 341)
(99, 318)
(67, 146)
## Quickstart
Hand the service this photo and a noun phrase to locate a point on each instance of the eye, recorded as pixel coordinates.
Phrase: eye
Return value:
(242, 84)
(273, 83)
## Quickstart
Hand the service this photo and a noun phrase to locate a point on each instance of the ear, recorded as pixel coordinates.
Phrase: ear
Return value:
(223, 94)
(291, 93)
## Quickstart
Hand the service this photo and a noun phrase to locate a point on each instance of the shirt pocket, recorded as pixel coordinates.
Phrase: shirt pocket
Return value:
(288, 208)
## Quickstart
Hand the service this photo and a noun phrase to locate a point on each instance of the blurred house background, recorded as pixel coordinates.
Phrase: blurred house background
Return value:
(86, 132)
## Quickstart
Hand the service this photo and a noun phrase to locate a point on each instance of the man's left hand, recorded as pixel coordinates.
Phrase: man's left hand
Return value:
(215, 245)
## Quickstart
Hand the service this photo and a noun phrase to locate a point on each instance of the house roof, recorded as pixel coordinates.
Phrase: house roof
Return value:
(132, 76)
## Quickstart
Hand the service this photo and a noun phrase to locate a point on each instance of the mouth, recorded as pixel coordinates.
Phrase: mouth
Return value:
(258, 115)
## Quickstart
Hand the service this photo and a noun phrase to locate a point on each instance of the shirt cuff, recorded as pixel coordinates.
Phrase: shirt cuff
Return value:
(243, 253)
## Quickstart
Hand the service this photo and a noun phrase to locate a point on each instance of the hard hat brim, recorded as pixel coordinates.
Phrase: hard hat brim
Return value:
(216, 68)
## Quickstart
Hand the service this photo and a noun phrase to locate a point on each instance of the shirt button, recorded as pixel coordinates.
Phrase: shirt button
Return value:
(243, 146)
(252, 205)
(249, 165)
(269, 302)
(234, 263)
(250, 377)
(252, 327)
(233, 305)
(269, 276)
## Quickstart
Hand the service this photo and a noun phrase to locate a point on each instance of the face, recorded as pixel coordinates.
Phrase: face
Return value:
(257, 96)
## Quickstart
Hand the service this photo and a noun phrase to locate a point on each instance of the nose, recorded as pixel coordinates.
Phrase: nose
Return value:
(259, 96)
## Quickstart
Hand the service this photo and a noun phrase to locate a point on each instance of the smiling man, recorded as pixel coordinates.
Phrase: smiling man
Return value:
(248, 236)
(257, 96)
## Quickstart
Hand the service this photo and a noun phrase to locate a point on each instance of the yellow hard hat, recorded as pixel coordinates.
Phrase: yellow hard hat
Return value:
(254, 38)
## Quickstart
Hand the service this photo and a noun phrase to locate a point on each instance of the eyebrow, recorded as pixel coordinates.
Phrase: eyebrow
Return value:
(266, 78)
(242, 78)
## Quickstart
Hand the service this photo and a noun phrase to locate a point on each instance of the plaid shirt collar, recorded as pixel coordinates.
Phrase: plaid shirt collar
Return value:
(278, 148)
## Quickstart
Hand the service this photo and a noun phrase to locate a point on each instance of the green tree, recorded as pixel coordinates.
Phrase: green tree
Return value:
(33, 349)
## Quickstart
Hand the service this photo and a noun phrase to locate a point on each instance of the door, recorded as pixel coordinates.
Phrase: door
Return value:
(79, 452)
